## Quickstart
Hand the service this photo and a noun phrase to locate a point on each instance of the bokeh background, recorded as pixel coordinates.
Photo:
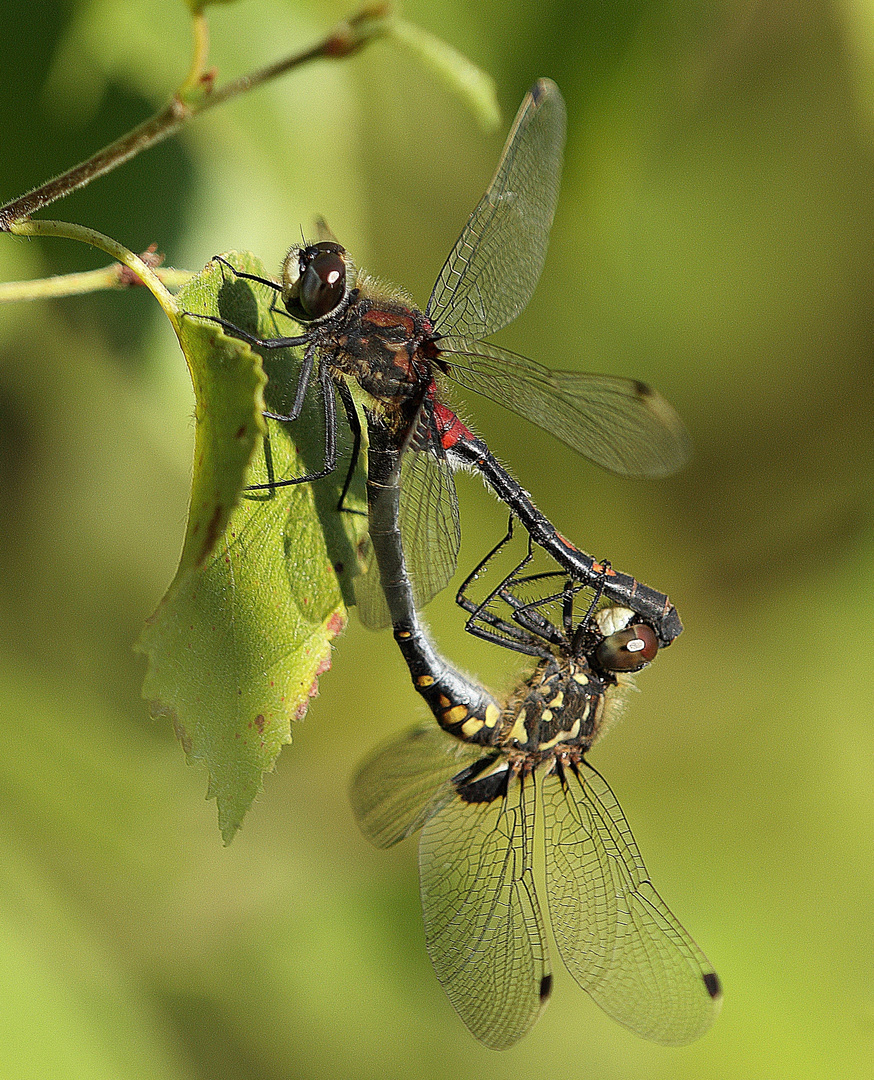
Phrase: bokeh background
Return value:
(715, 237)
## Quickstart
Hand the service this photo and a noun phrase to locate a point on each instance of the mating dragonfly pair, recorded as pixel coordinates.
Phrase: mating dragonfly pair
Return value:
(471, 783)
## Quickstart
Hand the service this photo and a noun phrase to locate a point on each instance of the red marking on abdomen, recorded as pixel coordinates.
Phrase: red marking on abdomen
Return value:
(449, 427)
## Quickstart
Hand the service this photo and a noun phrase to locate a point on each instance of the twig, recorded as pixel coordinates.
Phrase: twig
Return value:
(194, 96)
(139, 266)
(114, 276)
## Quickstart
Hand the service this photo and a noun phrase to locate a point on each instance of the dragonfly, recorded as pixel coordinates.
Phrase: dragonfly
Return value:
(475, 785)
(403, 357)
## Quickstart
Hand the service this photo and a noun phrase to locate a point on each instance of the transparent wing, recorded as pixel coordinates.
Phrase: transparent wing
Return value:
(613, 930)
(430, 528)
(430, 535)
(398, 786)
(620, 424)
(483, 925)
(496, 262)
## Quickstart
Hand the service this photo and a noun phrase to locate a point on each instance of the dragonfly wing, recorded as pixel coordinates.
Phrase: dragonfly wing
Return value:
(369, 597)
(402, 783)
(430, 527)
(430, 535)
(614, 932)
(495, 265)
(483, 925)
(620, 424)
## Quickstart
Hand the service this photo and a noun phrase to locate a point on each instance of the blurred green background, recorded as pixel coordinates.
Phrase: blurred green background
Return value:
(715, 237)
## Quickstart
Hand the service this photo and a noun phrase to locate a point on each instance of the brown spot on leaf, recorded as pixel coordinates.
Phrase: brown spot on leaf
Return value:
(213, 532)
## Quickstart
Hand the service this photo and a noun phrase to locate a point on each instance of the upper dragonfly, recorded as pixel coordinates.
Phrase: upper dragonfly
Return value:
(399, 355)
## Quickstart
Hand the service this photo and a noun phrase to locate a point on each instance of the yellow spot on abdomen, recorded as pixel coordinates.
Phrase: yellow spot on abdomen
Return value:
(456, 714)
(471, 727)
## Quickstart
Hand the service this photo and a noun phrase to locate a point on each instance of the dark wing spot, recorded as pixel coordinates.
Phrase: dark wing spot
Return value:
(545, 987)
(537, 91)
(714, 986)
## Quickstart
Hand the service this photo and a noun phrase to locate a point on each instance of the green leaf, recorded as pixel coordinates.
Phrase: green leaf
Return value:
(237, 644)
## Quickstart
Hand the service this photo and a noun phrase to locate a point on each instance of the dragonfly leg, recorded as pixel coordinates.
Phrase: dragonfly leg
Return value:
(355, 426)
(330, 415)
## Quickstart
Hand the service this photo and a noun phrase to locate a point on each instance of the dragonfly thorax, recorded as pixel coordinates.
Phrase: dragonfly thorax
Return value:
(562, 703)
(382, 344)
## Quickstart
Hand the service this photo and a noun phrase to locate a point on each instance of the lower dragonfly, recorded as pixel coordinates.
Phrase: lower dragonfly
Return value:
(472, 785)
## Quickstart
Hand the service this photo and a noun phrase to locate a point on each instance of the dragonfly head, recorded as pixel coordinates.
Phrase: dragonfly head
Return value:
(627, 646)
(315, 281)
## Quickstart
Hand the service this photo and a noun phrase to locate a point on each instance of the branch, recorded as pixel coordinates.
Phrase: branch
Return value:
(114, 276)
(194, 96)
(105, 243)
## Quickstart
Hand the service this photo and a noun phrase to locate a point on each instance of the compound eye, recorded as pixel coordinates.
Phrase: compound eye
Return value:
(628, 650)
(323, 284)
(314, 281)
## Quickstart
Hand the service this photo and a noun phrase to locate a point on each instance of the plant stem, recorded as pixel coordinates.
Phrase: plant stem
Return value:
(194, 80)
(194, 96)
(89, 281)
(347, 37)
(105, 243)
